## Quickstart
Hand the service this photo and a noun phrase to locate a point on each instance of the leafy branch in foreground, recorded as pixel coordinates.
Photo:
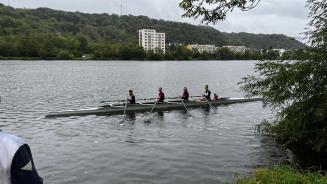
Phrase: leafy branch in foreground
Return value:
(298, 89)
(212, 11)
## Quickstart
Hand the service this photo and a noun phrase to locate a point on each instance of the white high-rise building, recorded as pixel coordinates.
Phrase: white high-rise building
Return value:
(149, 39)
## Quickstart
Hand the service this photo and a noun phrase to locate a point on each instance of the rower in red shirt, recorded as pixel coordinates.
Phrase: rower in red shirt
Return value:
(161, 96)
(215, 97)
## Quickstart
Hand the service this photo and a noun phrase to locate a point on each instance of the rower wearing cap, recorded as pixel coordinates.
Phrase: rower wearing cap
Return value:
(207, 93)
(161, 96)
(131, 99)
(186, 95)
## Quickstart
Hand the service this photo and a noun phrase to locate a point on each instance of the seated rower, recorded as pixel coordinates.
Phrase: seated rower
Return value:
(186, 95)
(207, 93)
(215, 97)
(161, 96)
(131, 99)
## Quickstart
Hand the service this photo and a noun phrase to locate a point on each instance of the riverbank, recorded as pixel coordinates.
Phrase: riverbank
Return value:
(132, 52)
(108, 59)
(284, 174)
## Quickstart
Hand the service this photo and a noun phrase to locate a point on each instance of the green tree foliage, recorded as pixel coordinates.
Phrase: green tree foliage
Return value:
(117, 51)
(262, 41)
(64, 54)
(182, 53)
(212, 11)
(283, 175)
(298, 89)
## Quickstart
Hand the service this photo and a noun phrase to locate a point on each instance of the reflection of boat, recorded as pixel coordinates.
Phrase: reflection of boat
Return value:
(143, 107)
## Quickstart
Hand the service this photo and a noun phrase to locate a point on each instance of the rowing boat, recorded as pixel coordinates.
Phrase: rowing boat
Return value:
(147, 106)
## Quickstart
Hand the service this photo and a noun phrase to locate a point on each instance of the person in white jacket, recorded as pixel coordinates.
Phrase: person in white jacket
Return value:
(16, 161)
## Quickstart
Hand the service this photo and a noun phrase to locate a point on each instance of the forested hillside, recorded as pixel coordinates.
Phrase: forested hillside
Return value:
(96, 28)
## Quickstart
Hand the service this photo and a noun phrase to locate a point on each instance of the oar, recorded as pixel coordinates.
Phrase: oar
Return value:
(124, 118)
(125, 107)
(208, 102)
(149, 119)
(109, 101)
(195, 96)
(185, 106)
(153, 106)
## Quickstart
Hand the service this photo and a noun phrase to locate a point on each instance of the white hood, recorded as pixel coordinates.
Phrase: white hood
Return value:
(9, 144)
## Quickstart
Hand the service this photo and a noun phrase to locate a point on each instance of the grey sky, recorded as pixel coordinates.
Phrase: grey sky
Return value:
(271, 16)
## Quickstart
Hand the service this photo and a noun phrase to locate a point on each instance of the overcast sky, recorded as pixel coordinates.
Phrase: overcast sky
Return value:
(271, 16)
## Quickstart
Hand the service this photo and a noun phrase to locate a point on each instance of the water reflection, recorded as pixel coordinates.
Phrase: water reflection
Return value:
(161, 115)
(131, 116)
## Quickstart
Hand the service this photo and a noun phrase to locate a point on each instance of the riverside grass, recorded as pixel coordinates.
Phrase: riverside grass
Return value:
(283, 175)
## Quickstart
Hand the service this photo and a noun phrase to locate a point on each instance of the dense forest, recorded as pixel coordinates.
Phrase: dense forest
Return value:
(46, 33)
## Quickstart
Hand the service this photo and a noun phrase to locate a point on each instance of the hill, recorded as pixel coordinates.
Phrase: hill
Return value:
(104, 28)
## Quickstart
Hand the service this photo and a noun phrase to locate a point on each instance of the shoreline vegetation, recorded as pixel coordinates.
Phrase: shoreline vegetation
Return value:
(131, 52)
(283, 174)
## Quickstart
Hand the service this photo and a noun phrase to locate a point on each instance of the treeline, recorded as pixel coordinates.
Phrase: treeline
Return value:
(52, 46)
(181, 52)
(113, 29)
(42, 46)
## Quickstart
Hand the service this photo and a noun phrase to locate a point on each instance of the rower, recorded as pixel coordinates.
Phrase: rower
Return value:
(131, 99)
(186, 95)
(16, 161)
(215, 97)
(207, 93)
(161, 96)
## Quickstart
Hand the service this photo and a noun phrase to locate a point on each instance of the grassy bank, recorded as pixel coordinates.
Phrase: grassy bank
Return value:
(283, 175)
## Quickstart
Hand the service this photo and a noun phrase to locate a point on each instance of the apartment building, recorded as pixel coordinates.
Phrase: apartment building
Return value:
(202, 48)
(240, 49)
(150, 40)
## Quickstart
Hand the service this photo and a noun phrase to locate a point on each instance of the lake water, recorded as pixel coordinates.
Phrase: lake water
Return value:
(211, 146)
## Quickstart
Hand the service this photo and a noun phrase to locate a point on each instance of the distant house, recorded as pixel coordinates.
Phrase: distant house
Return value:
(280, 51)
(150, 40)
(202, 48)
(240, 49)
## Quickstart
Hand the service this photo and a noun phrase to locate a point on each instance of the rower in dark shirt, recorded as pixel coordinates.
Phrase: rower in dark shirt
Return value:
(207, 93)
(186, 95)
(131, 99)
(161, 96)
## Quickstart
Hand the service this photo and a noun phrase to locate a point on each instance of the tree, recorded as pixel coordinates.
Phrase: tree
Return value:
(83, 44)
(154, 56)
(183, 53)
(226, 54)
(64, 55)
(212, 11)
(297, 89)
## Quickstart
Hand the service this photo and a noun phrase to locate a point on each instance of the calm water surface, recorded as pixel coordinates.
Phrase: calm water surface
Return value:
(211, 146)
